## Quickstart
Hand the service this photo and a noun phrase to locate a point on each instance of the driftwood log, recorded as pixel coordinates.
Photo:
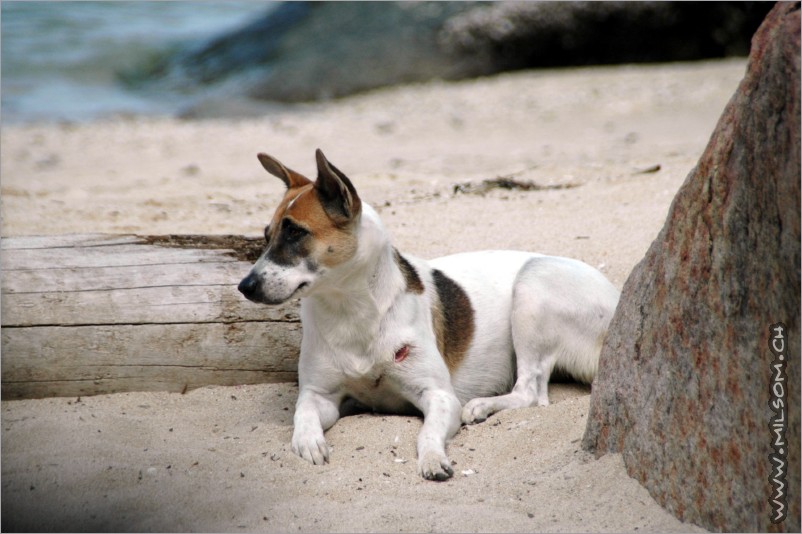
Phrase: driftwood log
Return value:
(93, 314)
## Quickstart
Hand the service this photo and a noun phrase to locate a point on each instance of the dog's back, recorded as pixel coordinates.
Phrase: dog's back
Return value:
(525, 302)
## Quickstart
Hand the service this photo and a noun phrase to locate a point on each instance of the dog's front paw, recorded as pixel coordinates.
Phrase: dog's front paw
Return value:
(311, 446)
(476, 411)
(434, 466)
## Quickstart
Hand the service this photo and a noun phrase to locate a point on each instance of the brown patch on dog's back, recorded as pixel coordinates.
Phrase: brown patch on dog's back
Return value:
(413, 282)
(453, 320)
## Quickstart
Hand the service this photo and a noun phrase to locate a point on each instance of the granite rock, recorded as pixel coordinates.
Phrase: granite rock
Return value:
(684, 380)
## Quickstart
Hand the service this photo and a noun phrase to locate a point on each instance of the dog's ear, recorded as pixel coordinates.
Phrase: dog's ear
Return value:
(288, 176)
(336, 191)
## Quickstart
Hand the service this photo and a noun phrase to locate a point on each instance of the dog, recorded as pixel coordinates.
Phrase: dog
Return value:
(456, 339)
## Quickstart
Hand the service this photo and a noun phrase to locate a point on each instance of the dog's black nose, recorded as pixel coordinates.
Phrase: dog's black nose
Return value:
(248, 285)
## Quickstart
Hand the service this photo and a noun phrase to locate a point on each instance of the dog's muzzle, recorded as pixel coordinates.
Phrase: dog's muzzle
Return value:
(250, 287)
(253, 287)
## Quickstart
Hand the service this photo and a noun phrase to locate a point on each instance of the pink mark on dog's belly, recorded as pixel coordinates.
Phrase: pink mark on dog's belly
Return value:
(401, 354)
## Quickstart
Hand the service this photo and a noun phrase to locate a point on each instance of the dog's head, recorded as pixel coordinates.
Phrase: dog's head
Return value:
(312, 231)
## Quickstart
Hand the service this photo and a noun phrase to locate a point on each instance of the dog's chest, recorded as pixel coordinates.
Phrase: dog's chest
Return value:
(378, 390)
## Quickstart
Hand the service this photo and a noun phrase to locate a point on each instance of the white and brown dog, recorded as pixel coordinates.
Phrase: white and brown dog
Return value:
(457, 338)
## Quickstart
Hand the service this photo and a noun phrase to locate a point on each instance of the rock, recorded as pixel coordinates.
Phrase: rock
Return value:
(684, 379)
(304, 51)
(255, 44)
(517, 35)
(347, 47)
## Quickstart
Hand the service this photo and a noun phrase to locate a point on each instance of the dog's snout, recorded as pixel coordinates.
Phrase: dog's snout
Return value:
(249, 285)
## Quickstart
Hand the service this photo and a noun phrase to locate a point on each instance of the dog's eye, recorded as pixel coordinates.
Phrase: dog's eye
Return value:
(267, 234)
(293, 232)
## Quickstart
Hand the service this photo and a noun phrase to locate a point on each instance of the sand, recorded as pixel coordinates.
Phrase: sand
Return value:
(612, 143)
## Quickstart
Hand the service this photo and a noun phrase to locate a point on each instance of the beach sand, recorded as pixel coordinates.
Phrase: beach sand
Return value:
(610, 144)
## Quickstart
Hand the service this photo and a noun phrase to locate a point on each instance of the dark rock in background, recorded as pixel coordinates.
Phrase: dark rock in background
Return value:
(520, 35)
(258, 43)
(684, 378)
(344, 48)
(303, 51)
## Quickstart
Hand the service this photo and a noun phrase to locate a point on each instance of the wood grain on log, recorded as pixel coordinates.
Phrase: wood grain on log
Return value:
(92, 314)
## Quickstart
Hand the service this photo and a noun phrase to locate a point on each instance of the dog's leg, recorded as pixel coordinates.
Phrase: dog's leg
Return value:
(530, 388)
(537, 339)
(441, 421)
(560, 313)
(314, 413)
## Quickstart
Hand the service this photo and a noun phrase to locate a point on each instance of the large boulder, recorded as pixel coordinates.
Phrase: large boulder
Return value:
(519, 35)
(685, 376)
(303, 51)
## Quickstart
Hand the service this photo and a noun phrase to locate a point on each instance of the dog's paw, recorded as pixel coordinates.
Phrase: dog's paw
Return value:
(434, 466)
(312, 447)
(476, 411)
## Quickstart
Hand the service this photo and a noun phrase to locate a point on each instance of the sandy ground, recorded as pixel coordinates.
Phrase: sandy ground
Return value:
(218, 459)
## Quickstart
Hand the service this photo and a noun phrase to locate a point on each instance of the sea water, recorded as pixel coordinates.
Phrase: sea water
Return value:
(61, 60)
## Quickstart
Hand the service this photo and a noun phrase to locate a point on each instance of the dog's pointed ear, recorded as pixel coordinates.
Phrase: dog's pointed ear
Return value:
(276, 168)
(336, 191)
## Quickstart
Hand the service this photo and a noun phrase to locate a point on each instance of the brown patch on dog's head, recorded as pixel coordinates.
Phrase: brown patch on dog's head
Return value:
(453, 320)
(315, 221)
